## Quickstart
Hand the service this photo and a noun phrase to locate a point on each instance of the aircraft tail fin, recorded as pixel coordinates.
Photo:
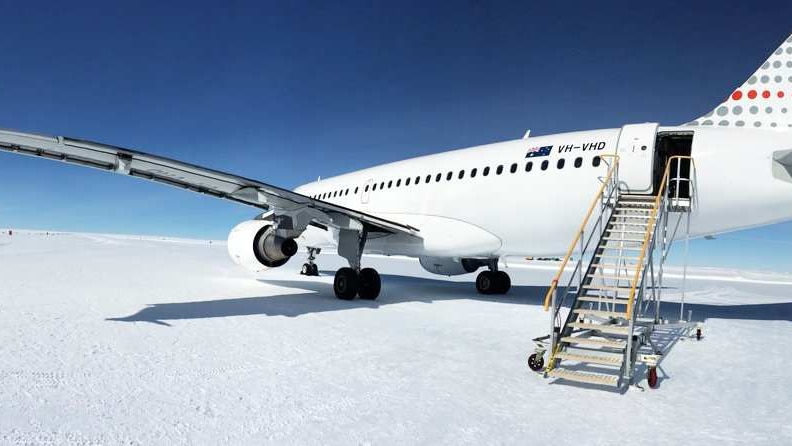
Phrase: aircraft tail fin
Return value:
(764, 101)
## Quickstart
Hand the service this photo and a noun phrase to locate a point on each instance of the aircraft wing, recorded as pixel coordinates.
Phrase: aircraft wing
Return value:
(188, 176)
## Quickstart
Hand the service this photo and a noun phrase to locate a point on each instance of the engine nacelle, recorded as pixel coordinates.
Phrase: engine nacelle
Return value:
(450, 267)
(255, 245)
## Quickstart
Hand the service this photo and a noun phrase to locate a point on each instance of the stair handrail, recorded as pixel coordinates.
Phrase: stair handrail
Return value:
(609, 177)
(661, 202)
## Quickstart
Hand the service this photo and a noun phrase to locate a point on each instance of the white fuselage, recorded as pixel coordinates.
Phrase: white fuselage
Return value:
(515, 211)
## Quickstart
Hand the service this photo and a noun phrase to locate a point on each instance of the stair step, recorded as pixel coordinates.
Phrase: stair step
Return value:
(614, 266)
(602, 299)
(636, 203)
(590, 378)
(620, 223)
(621, 257)
(647, 210)
(639, 217)
(638, 197)
(580, 340)
(622, 231)
(604, 328)
(630, 248)
(607, 288)
(599, 313)
(591, 359)
(619, 239)
(608, 276)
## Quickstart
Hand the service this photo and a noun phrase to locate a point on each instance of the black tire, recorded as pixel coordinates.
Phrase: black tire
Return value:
(306, 269)
(486, 283)
(314, 270)
(503, 282)
(346, 283)
(652, 377)
(536, 362)
(370, 284)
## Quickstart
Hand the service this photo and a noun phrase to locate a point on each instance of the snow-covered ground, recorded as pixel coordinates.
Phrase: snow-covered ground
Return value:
(146, 340)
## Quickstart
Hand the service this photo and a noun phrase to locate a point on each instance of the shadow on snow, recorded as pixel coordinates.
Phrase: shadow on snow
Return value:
(318, 297)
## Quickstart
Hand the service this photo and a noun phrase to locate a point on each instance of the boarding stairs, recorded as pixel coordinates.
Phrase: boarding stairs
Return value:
(611, 303)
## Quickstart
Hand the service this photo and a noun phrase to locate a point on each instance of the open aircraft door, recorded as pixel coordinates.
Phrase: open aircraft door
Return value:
(636, 150)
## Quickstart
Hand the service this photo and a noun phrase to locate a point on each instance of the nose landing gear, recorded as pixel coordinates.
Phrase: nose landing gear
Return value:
(310, 268)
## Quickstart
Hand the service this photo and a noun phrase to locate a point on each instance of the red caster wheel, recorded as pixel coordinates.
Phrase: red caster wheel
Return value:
(652, 378)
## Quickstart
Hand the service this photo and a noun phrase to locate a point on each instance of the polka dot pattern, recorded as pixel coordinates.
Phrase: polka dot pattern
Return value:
(763, 101)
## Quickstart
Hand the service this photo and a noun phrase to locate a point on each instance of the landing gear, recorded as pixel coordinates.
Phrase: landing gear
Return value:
(346, 283)
(353, 281)
(493, 281)
(370, 284)
(311, 268)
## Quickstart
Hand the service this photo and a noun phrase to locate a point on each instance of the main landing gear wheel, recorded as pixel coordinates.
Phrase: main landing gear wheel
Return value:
(370, 284)
(493, 282)
(536, 362)
(346, 283)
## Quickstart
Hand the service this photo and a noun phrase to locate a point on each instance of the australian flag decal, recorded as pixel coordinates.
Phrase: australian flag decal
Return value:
(539, 151)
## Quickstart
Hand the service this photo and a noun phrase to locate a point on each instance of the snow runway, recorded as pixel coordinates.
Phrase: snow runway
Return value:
(110, 339)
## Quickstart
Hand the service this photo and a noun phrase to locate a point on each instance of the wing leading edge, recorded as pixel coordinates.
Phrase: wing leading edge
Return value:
(188, 176)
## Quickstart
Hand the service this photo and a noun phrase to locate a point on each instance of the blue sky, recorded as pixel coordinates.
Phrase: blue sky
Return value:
(288, 91)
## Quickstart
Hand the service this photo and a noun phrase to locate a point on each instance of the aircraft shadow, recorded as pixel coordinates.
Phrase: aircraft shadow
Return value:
(318, 297)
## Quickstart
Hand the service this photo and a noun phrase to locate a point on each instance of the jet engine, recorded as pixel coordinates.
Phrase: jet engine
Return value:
(449, 266)
(256, 245)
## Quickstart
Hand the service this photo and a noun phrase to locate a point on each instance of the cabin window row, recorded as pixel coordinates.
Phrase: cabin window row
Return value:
(544, 165)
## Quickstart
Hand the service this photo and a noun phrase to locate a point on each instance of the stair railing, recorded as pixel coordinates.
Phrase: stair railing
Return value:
(583, 242)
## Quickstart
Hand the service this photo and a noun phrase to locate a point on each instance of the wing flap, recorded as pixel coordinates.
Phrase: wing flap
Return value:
(186, 176)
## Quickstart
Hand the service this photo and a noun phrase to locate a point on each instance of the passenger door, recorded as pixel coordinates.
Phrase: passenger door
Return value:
(636, 150)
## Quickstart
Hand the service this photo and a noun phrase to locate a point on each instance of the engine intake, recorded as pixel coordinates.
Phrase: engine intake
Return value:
(255, 245)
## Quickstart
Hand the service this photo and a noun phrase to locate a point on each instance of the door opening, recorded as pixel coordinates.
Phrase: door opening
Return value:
(670, 144)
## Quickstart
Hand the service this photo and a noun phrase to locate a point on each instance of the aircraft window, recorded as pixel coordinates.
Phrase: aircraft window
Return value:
(578, 162)
(417, 180)
(335, 193)
(347, 192)
(356, 190)
(473, 173)
(461, 174)
(529, 166)
(374, 187)
(596, 161)
(398, 182)
(407, 181)
(437, 178)
(366, 188)
(545, 163)
(499, 170)
(390, 183)
(449, 176)
(514, 168)
(382, 185)
(560, 163)
(486, 171)
(428, 178)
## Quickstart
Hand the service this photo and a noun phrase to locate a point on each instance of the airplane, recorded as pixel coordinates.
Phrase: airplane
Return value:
(464, 210)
